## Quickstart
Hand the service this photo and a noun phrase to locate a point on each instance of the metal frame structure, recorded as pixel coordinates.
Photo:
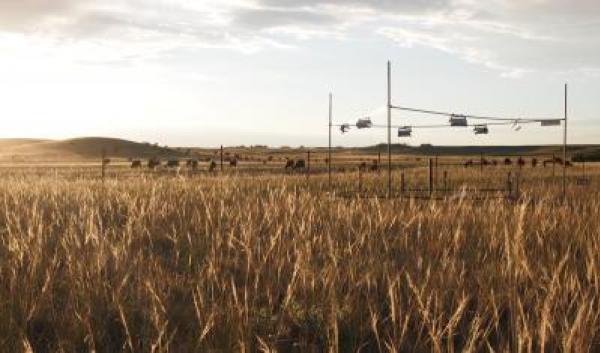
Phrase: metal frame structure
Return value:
(486, 120)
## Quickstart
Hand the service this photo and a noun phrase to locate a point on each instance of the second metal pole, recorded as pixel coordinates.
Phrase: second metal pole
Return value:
(389, 127)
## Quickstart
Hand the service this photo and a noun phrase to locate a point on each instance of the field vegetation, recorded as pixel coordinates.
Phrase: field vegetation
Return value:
(180, 262)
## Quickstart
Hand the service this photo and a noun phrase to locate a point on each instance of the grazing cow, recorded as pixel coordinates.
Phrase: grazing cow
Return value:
(300, 164)
(469, 163)
(289, 164)
(233, 162)
(374, 166)
(192, 163)
(521, 162)
(485, 162)
(557, 160)
(153, 163)
(507, 161)
(534, 162)
(212, 166)
(136, 164)
(494, 162)
(362, 167)
(172, 163)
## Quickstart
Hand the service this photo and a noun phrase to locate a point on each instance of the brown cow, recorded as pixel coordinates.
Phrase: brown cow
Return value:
(233, 162)
(192, 163)
(153, 163)
(289, 164)
(136, 164)
(212, 166)
(172, 163)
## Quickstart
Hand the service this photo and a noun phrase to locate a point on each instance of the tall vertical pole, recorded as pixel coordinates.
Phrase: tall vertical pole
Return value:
(564, 183)
(389, 127)
(329, 148)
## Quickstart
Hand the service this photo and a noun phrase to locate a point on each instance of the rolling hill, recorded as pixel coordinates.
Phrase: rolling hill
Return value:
(19, 150)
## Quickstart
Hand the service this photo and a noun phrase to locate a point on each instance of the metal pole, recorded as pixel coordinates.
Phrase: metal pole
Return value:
(564, 183)
(389, 127)
(329, 148)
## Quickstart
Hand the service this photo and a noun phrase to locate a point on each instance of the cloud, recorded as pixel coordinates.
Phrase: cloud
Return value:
(510, 36)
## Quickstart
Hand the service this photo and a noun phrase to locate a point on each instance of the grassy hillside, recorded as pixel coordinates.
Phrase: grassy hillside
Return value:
(487, 150)
(80, 148)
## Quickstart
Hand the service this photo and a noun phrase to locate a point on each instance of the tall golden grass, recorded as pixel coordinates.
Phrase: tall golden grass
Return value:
(267, 264)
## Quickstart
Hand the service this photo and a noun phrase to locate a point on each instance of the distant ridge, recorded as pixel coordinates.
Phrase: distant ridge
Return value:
(80, 148)
(426, 149)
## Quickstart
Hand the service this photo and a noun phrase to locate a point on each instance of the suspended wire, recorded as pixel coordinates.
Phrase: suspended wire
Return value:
(476, 117)
(439, 126)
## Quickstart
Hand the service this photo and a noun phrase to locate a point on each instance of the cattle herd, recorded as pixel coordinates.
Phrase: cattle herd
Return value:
(301, 165)
(519, 162)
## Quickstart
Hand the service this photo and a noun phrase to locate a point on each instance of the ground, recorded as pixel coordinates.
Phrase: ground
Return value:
(256, 258)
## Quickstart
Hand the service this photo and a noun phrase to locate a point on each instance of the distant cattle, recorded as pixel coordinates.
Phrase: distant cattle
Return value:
(374, 166)
(521, 162)
(289, 164)
(212, 166)
(192, 163)
(172, 163)
(153, 163)
(233, 162)
(363, 167)
(507, 161)
(300, 164)
(136, 164)
(557, 160)
(468, 163)
(534, 162)
(106, 161)
(294, 165)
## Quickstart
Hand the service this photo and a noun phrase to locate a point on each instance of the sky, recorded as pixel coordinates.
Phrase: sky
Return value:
(242, 72)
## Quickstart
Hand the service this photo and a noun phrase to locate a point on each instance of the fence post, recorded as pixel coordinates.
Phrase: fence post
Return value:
(103, 164)
(509, 184)
(402, 184)
(221, 157)
(430, 176)
(359, 181)
(445, 180)
(308, 164)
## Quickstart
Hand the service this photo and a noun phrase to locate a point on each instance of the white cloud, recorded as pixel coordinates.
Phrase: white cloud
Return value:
(511, 36)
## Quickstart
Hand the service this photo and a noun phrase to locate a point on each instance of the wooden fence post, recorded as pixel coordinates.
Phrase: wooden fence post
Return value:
(402, 183)
(103, 163)
(221, 157)
(430, 177)
(308, 164)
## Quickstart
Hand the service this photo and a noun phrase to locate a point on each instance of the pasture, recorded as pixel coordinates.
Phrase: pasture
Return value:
(262, 259)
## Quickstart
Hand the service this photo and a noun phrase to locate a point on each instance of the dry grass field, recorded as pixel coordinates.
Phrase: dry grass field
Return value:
(235, 262)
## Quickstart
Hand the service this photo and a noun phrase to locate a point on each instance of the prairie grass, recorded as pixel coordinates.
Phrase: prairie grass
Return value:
(271, 264)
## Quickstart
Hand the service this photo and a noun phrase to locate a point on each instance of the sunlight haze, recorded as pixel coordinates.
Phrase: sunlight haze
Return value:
(205, 73)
